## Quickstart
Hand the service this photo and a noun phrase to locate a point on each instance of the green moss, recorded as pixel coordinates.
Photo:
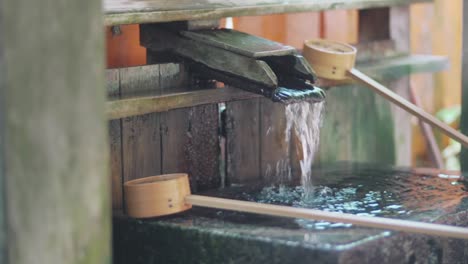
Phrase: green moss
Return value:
(357, 125)
(153, 241)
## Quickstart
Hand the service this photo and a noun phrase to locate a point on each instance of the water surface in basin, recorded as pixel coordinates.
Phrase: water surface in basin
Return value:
(362, 190)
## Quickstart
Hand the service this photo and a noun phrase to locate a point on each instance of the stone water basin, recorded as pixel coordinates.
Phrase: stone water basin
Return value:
(216, 236)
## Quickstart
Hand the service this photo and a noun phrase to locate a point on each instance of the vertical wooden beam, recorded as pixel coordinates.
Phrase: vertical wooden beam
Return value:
(115, 138)
(400, 34)
(3, 87)
(341, 25)
(446, 40)
(373, 24)
(56, 144)
(464, 117)
(422, 32)
(441, 22)
(422, 84)
(301, 26)
(273, 27)
(249, 24)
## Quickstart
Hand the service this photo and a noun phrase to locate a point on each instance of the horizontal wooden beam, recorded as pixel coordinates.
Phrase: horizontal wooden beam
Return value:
(385, 69)
(119, 12)
(149, 104)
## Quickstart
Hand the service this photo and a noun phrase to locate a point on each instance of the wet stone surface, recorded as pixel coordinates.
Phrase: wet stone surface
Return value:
(215, 236)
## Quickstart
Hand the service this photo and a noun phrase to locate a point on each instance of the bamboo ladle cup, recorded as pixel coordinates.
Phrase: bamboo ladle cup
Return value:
(169, 194)
(335, 61)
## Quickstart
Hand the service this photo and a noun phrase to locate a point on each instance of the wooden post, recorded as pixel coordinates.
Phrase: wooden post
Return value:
(400, 34)
(464, 116)
(55, 147)
(3, 231)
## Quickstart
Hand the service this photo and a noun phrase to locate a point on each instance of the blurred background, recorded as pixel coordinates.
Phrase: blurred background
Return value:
(436, 28)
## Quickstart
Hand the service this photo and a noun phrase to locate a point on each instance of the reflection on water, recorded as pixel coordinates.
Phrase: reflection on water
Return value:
(351, 199)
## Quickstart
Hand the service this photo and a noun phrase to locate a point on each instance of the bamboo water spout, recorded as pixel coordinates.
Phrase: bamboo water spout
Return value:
(169, 194)
(248, 62)
(335, 61)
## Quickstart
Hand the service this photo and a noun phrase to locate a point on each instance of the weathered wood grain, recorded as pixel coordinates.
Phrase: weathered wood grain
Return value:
(141, 139)
(115, 137)
(150, 11)
(203, 149)
(174, 128)
(190, 140)
(243, 141)
(165, 102)
(57, 191)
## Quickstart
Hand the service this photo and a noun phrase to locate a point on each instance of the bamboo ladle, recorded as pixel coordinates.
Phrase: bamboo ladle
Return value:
(335, 61)
(169, 194)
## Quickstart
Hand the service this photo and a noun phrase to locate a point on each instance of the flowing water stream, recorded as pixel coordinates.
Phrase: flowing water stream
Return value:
(303, 126)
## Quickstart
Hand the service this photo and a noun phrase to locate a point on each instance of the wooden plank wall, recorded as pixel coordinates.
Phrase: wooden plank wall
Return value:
(242, 140)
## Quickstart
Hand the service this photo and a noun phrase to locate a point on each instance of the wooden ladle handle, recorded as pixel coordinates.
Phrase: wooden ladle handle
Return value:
(312, 214)
(407, 106)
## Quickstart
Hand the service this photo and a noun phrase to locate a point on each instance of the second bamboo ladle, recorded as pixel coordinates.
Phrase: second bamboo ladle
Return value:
(169, 194)
(335, 61)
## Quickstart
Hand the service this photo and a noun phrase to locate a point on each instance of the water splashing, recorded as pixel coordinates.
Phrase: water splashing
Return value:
(303, 126)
